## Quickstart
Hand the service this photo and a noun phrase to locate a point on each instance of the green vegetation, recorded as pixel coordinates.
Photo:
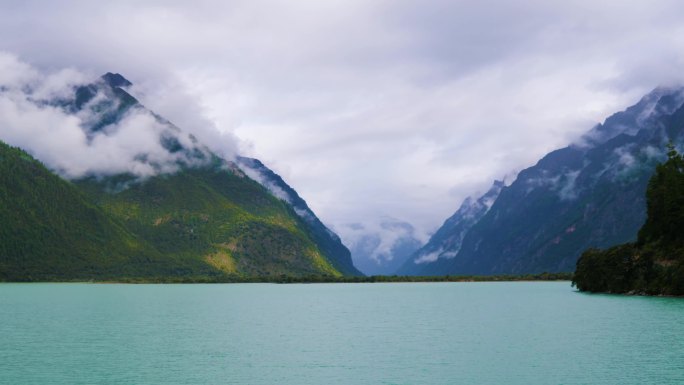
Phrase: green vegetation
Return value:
(283, 278)
(201, 224)
(49, 230)
(443, 278)
(216, 217)
(209, 222)
(655, 263)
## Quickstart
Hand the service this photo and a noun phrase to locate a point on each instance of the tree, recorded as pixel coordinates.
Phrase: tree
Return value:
(665, 201)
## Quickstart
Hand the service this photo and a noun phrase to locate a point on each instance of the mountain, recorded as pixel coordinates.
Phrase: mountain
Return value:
(653, 265)
(445, 244)
(327, 241)
(587, 195)
(178, 211)
(381, 249)
(50, 230)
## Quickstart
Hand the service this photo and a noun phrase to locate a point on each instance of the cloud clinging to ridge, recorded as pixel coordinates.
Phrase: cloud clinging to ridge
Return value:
(35, 115)
(373, 108)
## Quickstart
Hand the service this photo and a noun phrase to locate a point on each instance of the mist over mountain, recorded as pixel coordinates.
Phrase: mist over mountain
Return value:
(177, 208)
(589, 194)
(96, 133)
(82, 127)
(447, 241)
(381, 248)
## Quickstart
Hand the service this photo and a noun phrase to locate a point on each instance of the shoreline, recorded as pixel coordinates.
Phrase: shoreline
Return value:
(543, 277)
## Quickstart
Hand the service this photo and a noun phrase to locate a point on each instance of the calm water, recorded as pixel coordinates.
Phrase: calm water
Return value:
(425, 333)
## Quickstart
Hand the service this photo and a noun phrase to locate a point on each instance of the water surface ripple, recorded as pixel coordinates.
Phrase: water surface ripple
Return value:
(403, 333)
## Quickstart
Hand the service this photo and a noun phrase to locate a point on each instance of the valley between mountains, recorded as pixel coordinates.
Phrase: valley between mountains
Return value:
(184, 212)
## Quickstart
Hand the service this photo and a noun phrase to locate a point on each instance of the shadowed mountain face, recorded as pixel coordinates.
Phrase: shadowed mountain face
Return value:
(182, 212)
(590, 194)
(447, 241)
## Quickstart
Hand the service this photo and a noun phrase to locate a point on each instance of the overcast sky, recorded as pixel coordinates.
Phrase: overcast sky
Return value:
(370, 109)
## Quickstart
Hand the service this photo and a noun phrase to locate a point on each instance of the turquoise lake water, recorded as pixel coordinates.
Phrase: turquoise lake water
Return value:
(403, 333)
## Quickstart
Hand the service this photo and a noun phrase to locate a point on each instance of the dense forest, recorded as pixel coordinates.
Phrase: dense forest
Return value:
(209, 223)
(654, 264)
(50, 230)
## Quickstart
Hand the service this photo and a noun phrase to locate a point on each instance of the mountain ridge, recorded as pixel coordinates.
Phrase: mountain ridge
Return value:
(195, 213)
(588, 194)
(445, 243)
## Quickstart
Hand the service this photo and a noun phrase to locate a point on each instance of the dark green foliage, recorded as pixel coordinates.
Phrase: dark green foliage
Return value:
(665, 202)
(202, 211)
(49, 230)
(284, 278)
(655, 264)
(616, 269)
(200, 224)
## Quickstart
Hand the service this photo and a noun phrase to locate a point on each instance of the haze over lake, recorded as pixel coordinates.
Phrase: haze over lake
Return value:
(418, 333)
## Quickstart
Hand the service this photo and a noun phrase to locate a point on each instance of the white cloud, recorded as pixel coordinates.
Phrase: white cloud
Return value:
(14, 73)
(276, 190)
(31, 118)
(428, 258)
(386, 235)
(372, 108)
(169, 97)
(568, 190)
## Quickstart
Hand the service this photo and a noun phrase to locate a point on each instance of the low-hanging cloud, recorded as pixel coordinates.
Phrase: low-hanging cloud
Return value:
(34, 116)
(380, 240)
(373, 108)
(168, 96)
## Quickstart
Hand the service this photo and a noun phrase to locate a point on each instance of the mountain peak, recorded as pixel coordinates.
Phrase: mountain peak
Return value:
(661, 101)
(116, 80)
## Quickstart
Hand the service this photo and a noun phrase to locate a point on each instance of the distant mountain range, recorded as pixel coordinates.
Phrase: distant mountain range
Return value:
(589, 194)
(182, 213)
(382, 248)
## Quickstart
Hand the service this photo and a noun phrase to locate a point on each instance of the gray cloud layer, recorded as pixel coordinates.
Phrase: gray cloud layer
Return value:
(371, 108)
(36, 113)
